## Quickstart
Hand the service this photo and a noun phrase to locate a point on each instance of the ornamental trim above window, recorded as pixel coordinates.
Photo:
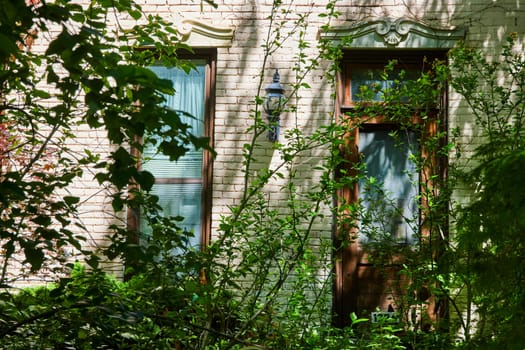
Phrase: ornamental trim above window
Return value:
(201, 35)
(393, 33)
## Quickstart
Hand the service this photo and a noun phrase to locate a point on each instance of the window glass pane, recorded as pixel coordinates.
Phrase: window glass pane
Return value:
(390, 188)
(180, 200)
(189, 97)
(188, 166)
(189, 92)
(370, 79)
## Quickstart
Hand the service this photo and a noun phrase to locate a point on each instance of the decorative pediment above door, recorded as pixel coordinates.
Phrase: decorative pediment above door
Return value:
(388, 33)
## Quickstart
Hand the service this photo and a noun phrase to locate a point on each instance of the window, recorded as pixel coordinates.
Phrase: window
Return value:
(369, 77)
(184, 186)
(388, 191)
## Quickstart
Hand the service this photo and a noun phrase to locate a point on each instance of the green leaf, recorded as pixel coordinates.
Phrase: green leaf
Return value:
(40, 93)
(60, 44)
(70, 200)
(42, 220)
(7, 46)
(78, 17)
(136, 14)
(10, 191)
(117, 203)
(145, 179)
(34, 256)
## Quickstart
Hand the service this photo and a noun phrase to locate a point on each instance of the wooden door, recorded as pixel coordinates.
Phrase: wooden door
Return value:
(361, 285)
(387, 195)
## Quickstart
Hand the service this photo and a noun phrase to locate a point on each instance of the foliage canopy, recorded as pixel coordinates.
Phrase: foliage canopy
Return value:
(264, 282)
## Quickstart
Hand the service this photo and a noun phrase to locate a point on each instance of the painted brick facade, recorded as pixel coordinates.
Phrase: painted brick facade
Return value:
(239, 66)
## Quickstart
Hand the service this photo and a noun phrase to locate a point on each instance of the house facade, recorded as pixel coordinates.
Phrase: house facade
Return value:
(237, 48)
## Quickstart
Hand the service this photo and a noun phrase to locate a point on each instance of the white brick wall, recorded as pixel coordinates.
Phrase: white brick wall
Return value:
(238, 68)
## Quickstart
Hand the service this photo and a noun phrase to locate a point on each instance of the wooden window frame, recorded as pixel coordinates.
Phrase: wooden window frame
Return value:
(347, 259)
(133, 216)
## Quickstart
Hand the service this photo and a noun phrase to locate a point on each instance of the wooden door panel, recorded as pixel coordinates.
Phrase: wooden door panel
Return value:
(378, 290)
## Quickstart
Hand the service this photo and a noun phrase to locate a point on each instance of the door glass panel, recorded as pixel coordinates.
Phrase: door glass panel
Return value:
(389, 189)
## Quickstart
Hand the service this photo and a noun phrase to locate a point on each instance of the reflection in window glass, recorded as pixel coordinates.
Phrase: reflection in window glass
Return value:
(371, 81)
(189, 97)
(180, 200)
(389, 189)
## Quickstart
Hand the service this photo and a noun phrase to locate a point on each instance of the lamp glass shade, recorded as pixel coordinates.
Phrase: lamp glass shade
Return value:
(274, 96)
(273, 103)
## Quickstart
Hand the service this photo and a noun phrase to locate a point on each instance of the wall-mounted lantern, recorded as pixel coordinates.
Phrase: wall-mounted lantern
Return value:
(273, 105)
